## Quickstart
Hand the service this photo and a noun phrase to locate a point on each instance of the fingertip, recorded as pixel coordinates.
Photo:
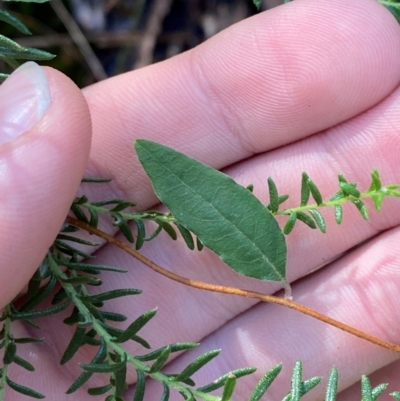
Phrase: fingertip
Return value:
(41, 166)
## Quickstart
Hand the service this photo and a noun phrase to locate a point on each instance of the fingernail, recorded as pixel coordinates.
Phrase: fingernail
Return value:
(24, 97)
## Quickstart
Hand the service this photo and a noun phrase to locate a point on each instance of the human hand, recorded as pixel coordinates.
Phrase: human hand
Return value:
(310, 86)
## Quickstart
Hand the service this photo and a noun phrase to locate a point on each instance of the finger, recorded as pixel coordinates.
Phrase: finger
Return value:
(265, 82)
(351, 148)
(359, 289)
(45, 141)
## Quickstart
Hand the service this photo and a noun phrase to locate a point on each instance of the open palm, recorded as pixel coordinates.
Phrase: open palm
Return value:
(309, 86)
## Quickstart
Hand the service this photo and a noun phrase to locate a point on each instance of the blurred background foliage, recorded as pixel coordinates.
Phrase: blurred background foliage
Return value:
(95, 39)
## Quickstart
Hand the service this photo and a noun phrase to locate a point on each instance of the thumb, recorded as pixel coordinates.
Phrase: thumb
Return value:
(45, 133)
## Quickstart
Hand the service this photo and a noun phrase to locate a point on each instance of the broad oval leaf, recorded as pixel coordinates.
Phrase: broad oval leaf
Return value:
(227, 218)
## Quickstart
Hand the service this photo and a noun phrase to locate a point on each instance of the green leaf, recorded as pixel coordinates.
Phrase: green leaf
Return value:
(315, 191)
(79, 214)
(105, 296)
(305, 190)
(165, 394)
(305, 387)
(216, 384)
(366, 389)
(273, 196)
(77, 340)
(263, 384)
(24, 390)
(378, 391)
(9, 353)
(120, 381)
(290, 223)
(196, 365)
(376, 184)
(361, 207)
(85, 376)
(393, 6)
(141, 234)
(349, 189)
(306, 219)
(176, 347)
(229, 387)
(331, 388)
(319, 219)
(104, 367)
(338, 214)
(395, 395)
(186, 236)
(161, 360)
(136, 326)
(100, 390)
(40, 313)
(140, 386)
(258, 3)
(23, 363)
(296, 388)
(14, 21)
(40, 296)
(226, 217)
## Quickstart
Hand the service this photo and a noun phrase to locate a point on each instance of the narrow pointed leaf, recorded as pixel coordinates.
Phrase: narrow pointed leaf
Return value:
(378, 391)
(350, 189)
(120, 381)
(100, 390)
(136, 326)
(226, 217)
(140, 386)
(176, 347)
(338, 214)
(229, 387)
(366, 389)
(283, 198)
(105, 296)
(306, 219)
(319, 219)
(273, 196)
(13, 21)
(24, 390)
(314, 191)
(161, 360)
(216, 384)
(362, 208)
(305, 190)
(23, 363)
(264, 383)
(186, 236)
(290, 223)
(104, 367)
(197, 364)
(40, 313)
(376, 184)
(9, 353)
(85, 376)
(41, 295)
(296, 388)
(331, 388)
(165, 394)
(395, 395)
(77, 340)
(141, 234)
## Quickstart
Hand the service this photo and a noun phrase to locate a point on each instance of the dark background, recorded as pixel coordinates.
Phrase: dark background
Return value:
(95, 39)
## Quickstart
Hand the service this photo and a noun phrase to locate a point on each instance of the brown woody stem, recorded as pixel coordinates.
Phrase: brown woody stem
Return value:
(232, 290)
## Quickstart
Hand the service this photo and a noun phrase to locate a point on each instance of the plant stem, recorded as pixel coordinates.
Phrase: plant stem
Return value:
(233, 290)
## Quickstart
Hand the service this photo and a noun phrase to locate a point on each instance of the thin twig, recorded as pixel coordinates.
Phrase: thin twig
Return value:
(232, 290)
(79, 38)
(145, 52)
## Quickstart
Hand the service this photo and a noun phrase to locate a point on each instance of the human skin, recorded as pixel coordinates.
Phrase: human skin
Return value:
(309, 86)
